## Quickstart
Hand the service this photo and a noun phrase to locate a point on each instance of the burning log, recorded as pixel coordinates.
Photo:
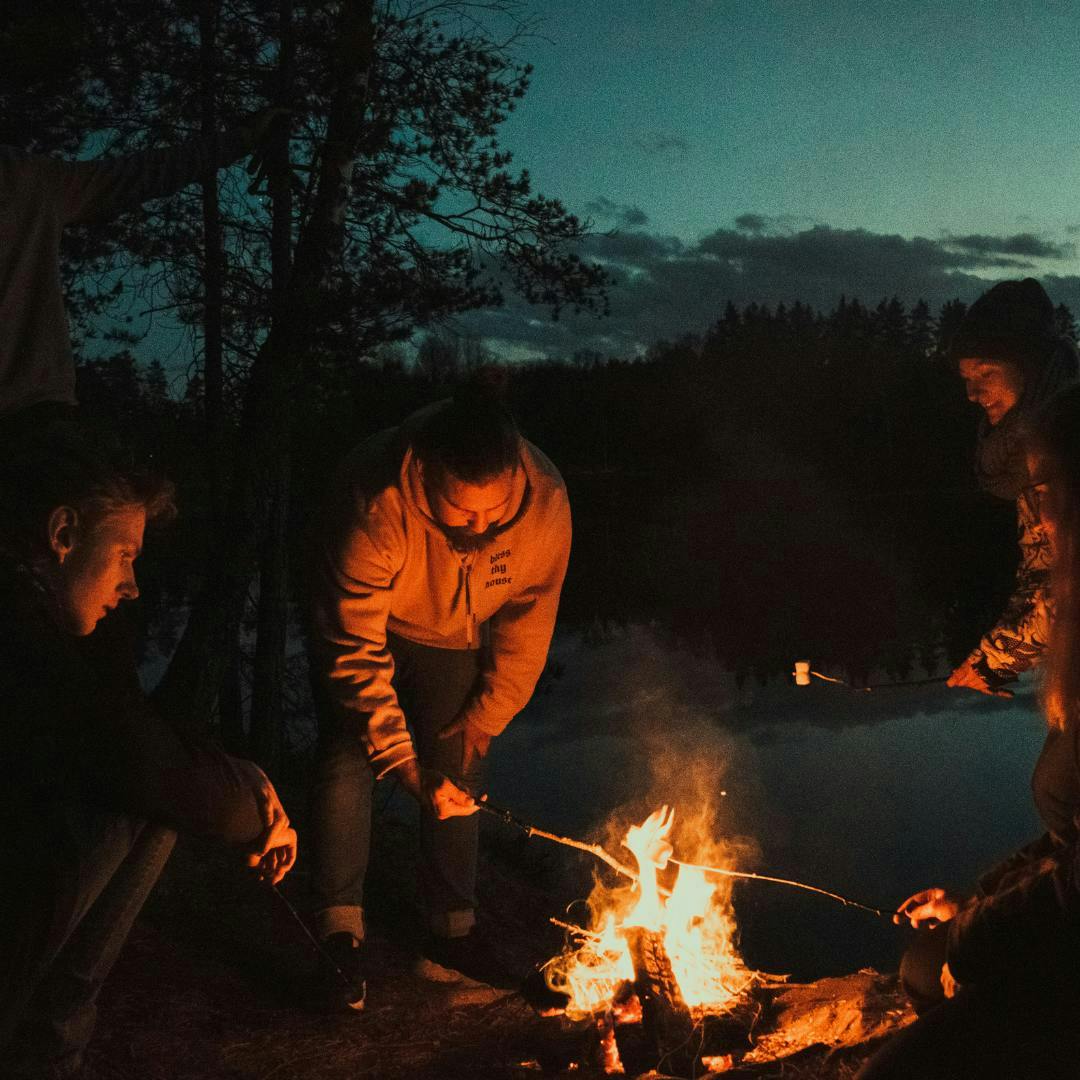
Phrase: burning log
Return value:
(668, 1027)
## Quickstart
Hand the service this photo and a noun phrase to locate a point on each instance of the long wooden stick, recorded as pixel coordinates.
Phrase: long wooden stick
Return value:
(604, 856)
(593, 849)
(723, 872)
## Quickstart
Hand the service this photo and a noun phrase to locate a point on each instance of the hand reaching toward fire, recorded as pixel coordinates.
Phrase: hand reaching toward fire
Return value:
(967, 675)
(931, 907)
(435, 792)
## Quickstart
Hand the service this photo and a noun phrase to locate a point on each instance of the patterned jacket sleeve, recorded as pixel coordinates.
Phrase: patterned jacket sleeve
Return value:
(1018, 639)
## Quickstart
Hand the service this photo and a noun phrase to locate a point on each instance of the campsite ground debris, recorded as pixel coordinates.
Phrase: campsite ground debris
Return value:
(212, 985)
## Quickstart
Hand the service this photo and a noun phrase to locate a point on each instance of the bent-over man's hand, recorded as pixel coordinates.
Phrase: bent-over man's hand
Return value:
(967, 675)
(949, 985)
(476, 742)
(931, 907)
(272, 856)
(444, 797)
(435, 792)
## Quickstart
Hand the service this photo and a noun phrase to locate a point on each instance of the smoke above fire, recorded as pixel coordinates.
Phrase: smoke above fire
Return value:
(677, 780)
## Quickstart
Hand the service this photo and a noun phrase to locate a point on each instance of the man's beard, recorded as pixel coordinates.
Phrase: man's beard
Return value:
(464, 541)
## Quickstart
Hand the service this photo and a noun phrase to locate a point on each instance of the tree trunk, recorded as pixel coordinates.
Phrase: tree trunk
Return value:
(231, 708)
(191, 683)
(212, 276)
(268, 673)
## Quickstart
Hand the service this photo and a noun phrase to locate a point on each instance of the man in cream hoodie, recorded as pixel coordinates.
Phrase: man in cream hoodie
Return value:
(437, 573)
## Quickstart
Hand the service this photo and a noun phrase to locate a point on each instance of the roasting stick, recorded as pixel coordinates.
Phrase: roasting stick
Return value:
(803, 671)
(784, 881)
(600, 853)
(531, 830)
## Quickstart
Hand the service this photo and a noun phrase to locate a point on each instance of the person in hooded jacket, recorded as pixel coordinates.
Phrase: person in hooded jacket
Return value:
(995, 977)
(96, 782)
(436, 578)
(1013, 361)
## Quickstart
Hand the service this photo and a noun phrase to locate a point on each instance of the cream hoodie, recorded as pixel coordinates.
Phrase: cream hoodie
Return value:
(382, 563)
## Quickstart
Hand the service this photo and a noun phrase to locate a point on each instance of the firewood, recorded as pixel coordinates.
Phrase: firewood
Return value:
(671, 1039)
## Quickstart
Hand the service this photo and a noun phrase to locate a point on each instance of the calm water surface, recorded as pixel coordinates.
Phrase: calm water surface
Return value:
(870, 795)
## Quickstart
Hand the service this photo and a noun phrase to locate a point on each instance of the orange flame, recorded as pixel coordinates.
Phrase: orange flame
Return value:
(695, 917)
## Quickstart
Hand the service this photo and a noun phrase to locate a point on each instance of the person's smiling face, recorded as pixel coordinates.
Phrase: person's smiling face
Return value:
(96, 567)
(994, 385)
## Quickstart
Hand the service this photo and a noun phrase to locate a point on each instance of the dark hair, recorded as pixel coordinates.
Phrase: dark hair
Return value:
(1056, 443)
(473, 437)
(1012, 322)
(62, 464)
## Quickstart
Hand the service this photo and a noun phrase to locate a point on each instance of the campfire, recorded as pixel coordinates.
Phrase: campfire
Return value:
(658, 968)
(654, 983)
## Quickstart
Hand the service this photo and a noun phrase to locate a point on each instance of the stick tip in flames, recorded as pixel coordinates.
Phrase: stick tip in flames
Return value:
(650, 841)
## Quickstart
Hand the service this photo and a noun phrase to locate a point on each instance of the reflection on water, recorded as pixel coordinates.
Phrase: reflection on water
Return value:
(871, 795)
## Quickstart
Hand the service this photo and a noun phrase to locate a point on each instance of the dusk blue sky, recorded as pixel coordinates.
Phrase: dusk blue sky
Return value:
(774, 150)
(757, 150)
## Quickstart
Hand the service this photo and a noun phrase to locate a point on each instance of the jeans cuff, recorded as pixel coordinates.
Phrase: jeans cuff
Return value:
(341, 919)
(452, 923)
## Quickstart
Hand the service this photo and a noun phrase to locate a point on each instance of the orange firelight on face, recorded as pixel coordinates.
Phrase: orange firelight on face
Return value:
(94, 568)
(994, 385)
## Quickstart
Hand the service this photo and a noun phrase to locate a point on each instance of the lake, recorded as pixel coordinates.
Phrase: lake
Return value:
(873, 796)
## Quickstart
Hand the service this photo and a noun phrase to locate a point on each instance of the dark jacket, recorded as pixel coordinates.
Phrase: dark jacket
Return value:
(1025, 917)
(75, 727)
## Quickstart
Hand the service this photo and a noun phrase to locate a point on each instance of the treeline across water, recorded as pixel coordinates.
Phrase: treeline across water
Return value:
(788, 484)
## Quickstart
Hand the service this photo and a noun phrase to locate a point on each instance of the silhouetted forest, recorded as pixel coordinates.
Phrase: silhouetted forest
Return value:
(790, 483)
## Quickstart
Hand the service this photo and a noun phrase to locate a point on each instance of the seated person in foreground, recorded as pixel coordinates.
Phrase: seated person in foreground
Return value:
(95, 783)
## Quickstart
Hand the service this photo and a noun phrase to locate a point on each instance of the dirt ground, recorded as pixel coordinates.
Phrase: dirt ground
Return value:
(216, 984)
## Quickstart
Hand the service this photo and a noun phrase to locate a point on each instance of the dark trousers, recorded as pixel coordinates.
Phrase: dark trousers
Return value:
(68, 925)
(1023, 1028)
(432, 687)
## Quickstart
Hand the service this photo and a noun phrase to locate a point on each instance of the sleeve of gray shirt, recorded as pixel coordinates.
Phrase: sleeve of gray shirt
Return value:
(101, 188)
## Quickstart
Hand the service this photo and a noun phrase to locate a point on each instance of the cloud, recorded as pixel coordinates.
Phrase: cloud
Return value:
(663, 144)
(664, 288)
(624, 215)
(751, 223)
(1025, 244)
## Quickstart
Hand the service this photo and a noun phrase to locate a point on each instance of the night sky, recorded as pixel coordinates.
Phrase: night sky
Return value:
(767, 151)
(773, 150)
